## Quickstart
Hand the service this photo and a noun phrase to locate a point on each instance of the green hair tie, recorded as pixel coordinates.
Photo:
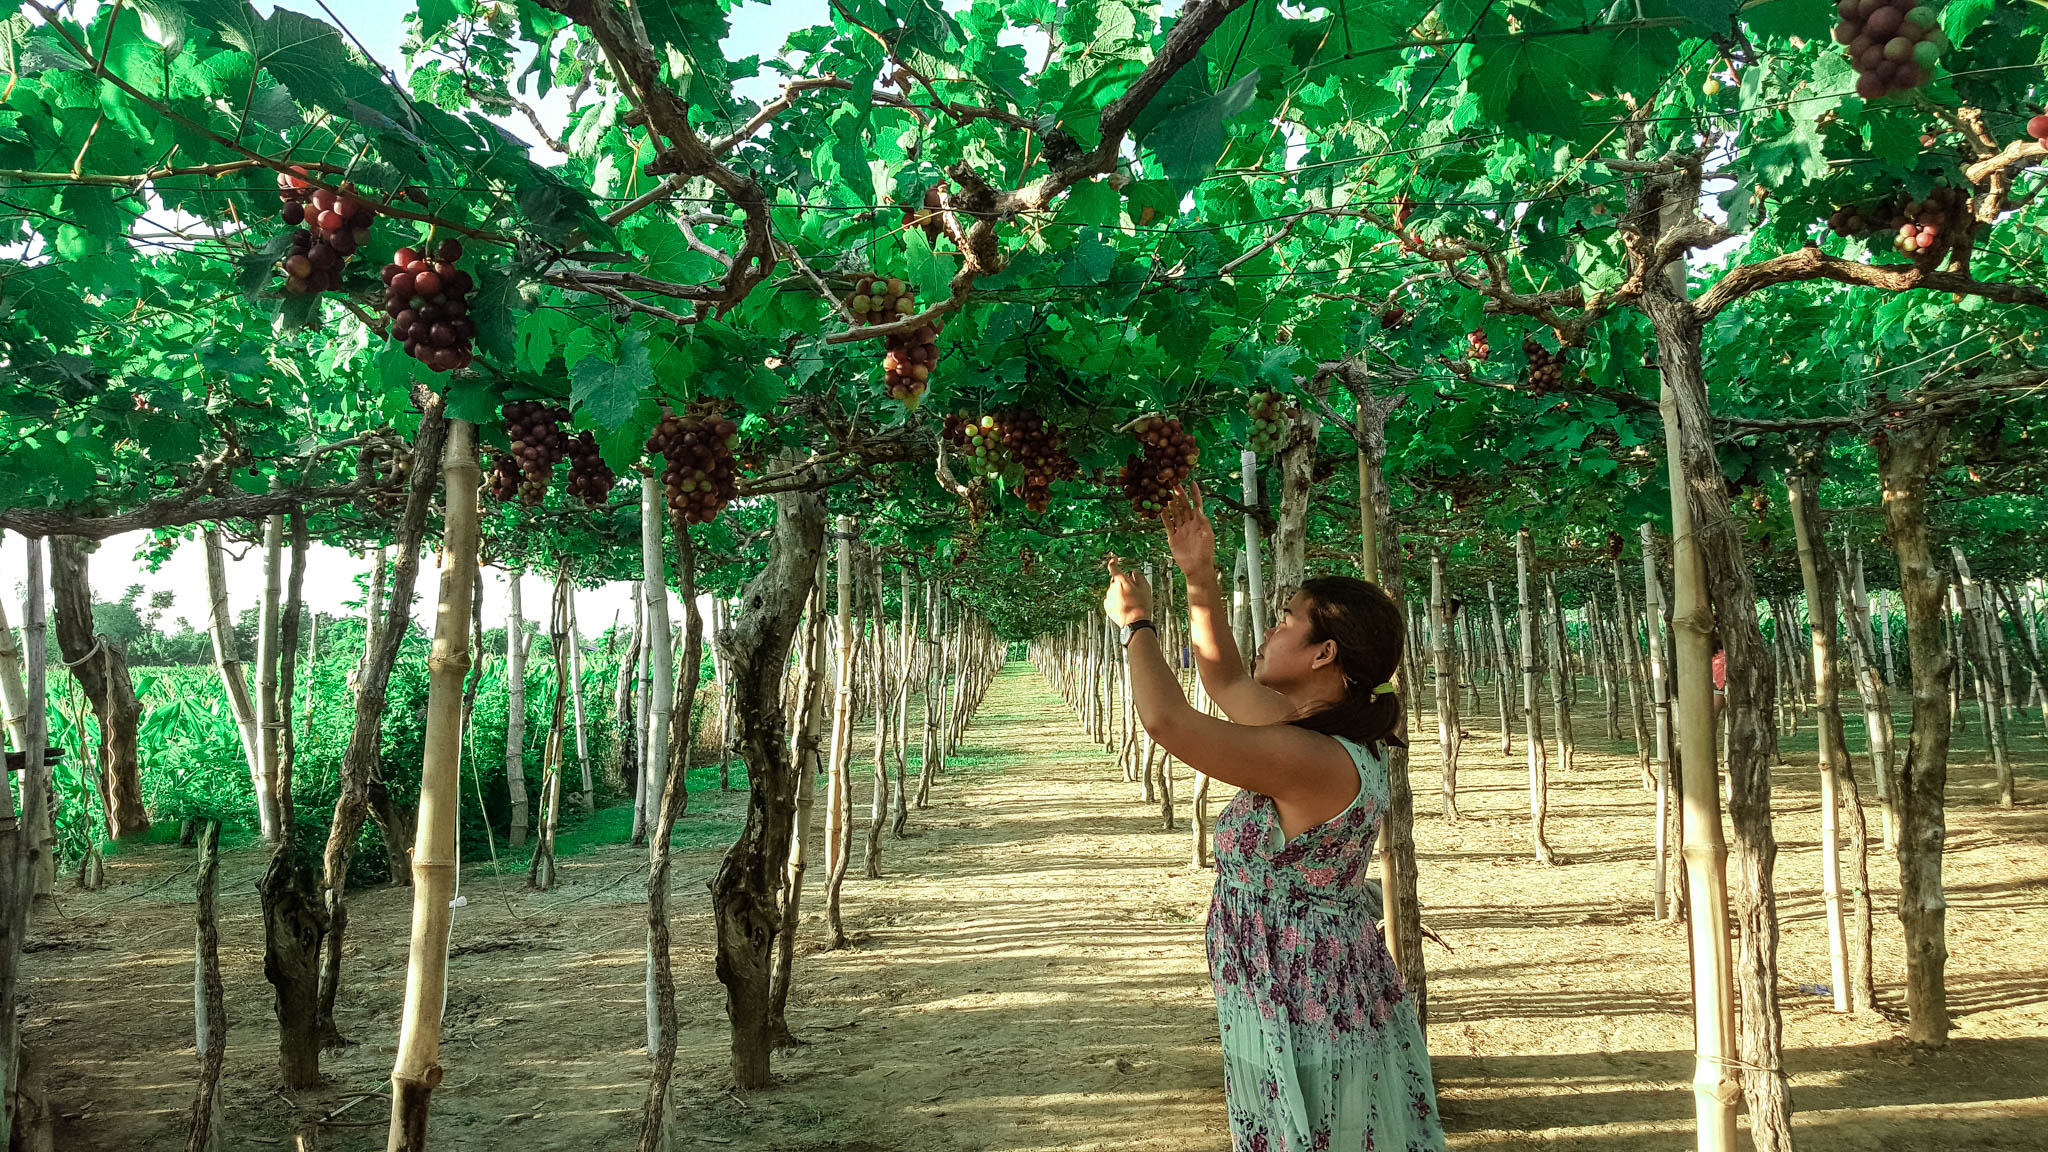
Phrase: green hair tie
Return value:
(1386, 689)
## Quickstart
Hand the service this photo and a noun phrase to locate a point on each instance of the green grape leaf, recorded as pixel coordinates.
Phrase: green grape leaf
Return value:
(1189, 140)
(609, 390)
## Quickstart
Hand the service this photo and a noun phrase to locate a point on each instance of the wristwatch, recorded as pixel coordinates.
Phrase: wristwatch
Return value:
(1131, 629)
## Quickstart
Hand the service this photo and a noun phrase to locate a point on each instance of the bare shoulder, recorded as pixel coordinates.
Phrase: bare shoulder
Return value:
(1246, 701)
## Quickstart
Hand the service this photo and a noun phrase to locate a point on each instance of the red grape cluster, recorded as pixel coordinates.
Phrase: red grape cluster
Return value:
(1546, 368)
(1921, 228)
(1394, 317)
(702, 476)
(538, 444)
(1040, 450)
(330, 227)
(1268, 410)
(907, 357)
(1924, 227)
(589, 476)
(427, 301)
(979, 441)
(1476, 349)
(1893, 44)
(1169, 455)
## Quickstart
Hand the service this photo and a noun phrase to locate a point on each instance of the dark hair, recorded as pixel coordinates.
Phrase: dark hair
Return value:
(1370, 632)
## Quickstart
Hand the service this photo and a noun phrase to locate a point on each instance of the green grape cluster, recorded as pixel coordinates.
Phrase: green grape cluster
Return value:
(1268, 412)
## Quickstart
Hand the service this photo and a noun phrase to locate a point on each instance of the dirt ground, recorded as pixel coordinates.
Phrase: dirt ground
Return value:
(1029, 976)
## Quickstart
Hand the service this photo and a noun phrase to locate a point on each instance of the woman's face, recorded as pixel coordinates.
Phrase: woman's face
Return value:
(1289, 657)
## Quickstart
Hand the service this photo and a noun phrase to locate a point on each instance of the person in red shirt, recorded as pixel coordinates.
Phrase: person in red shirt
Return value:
(1720, 682)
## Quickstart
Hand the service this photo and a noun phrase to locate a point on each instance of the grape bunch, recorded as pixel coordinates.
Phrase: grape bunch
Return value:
(503, 478)
(330, 227)
(1148, 479)
(1893, 44)
(1040, 450)
(538, 444)
(1921, 229)
(1925, 227)
(1268, 410)
(927, 217)
(1476, 349)
(589, 476)
(979, 441)
(701, 477)
(1394, 317)
(907, 357)
(1546, 368)
(428, 303)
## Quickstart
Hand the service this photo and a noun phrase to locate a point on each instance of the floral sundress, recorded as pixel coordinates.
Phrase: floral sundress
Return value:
(1321, 1048)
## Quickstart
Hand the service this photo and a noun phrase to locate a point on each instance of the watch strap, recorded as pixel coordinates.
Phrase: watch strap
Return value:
(1134, 627)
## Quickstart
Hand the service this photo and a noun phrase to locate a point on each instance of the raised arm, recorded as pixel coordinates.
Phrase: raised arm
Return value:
(1309, 776)
(1193, 540)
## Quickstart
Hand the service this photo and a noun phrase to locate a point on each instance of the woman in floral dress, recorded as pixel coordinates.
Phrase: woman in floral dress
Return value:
(1322, 1051)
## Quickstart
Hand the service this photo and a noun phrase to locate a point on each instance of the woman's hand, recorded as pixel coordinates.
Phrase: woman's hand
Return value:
(1129, 597)
(1188, 531)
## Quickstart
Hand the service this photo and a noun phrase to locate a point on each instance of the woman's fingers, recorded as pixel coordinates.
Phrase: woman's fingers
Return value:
(1195, 495)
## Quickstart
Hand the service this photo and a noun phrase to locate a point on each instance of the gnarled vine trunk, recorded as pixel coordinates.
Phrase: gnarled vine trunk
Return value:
(744, 893)
(101, 668)
(1907, 457)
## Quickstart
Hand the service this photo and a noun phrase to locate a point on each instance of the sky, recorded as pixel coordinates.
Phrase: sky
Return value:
(334, 576)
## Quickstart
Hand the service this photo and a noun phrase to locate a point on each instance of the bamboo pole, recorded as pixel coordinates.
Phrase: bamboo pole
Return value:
(417, 1069)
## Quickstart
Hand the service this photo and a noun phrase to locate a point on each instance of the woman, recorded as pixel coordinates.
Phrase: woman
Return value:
(1321, 1048)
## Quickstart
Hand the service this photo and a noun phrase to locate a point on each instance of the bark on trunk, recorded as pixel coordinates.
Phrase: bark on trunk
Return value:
(1448, 737)
(1561, 679)
(1908, 456)
(661, 650)
(1714, 594)
(1296, 465)
(744, 893)
(878, 796)
(417, 1070)
(209, 1011)
(1400, 884)
(365, 742)
(810, 681)
(1503, 671)
(101, 668)
(1876, 697)
(1532, 713)
(24, 852)
(268, 709)
(515, 707)
(837, 786)
(1977, 628)
(655, 1113)
(293, 919)
(540, 871)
